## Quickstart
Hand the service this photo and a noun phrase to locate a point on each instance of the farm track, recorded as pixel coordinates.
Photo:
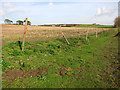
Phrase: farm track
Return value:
(12, 33)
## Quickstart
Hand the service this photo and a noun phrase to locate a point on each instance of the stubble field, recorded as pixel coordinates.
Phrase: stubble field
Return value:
(12, 33)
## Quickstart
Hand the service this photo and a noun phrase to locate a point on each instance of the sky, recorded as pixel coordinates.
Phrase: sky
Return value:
(41, 12)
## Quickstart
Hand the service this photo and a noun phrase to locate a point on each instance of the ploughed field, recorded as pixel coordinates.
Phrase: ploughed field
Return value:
(13, 33)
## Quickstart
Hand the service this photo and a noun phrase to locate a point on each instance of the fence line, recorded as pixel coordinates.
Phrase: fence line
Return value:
(46, 34)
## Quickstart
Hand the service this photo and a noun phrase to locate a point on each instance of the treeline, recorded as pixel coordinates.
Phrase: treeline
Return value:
(116, 24)
(61, 25)
(80, 25)
(18, 22)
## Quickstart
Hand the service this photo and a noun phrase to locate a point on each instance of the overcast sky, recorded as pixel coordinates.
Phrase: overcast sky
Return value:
(60, 11)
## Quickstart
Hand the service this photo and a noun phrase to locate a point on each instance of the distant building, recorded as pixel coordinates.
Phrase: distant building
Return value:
(61, 25)
(53, 25)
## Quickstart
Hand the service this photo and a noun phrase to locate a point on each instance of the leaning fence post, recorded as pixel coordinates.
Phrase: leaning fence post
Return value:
(86, 34)
(25, 30)
(101, 30)
(65, 38)
(96, 32)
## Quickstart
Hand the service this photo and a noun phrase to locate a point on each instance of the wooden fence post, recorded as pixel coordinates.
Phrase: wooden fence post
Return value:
(65, 38)
(86, 34)
(102, 31)
(96, 32)
(25, 30)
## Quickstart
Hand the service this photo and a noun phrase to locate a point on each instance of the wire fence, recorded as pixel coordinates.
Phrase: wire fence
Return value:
(13, 33)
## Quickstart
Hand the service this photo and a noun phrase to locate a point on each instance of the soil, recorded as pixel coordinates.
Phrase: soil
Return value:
(62, 72)
(12, 75)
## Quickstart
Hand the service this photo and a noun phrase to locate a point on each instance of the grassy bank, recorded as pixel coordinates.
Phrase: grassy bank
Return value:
(95, 26)
(54, 64)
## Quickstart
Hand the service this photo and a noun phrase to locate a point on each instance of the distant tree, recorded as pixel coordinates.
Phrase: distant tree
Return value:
(94, 23)
(19, 22)
(7, 21)
(117, 25)
(28, 22)
(117, 22)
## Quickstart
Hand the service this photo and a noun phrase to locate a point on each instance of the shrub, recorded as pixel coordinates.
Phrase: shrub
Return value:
(117, 22)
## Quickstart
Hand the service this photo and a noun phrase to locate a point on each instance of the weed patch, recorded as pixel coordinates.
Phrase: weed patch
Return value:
(52, 64)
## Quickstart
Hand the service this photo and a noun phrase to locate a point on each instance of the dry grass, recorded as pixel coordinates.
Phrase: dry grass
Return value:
(12, 33)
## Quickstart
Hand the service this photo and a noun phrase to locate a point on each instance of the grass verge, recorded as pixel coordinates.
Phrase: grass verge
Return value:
(54, 64)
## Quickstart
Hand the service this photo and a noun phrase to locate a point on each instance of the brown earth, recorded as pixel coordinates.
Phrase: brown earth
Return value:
(12, 75)
(13, 33)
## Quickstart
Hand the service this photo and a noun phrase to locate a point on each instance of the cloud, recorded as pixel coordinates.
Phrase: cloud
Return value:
(60, 0)
(50, 4)
(98, 11)
(2, 13)
(7, 5)
(12, 10)
(105, 15)
(9, 8)
(104, 11)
